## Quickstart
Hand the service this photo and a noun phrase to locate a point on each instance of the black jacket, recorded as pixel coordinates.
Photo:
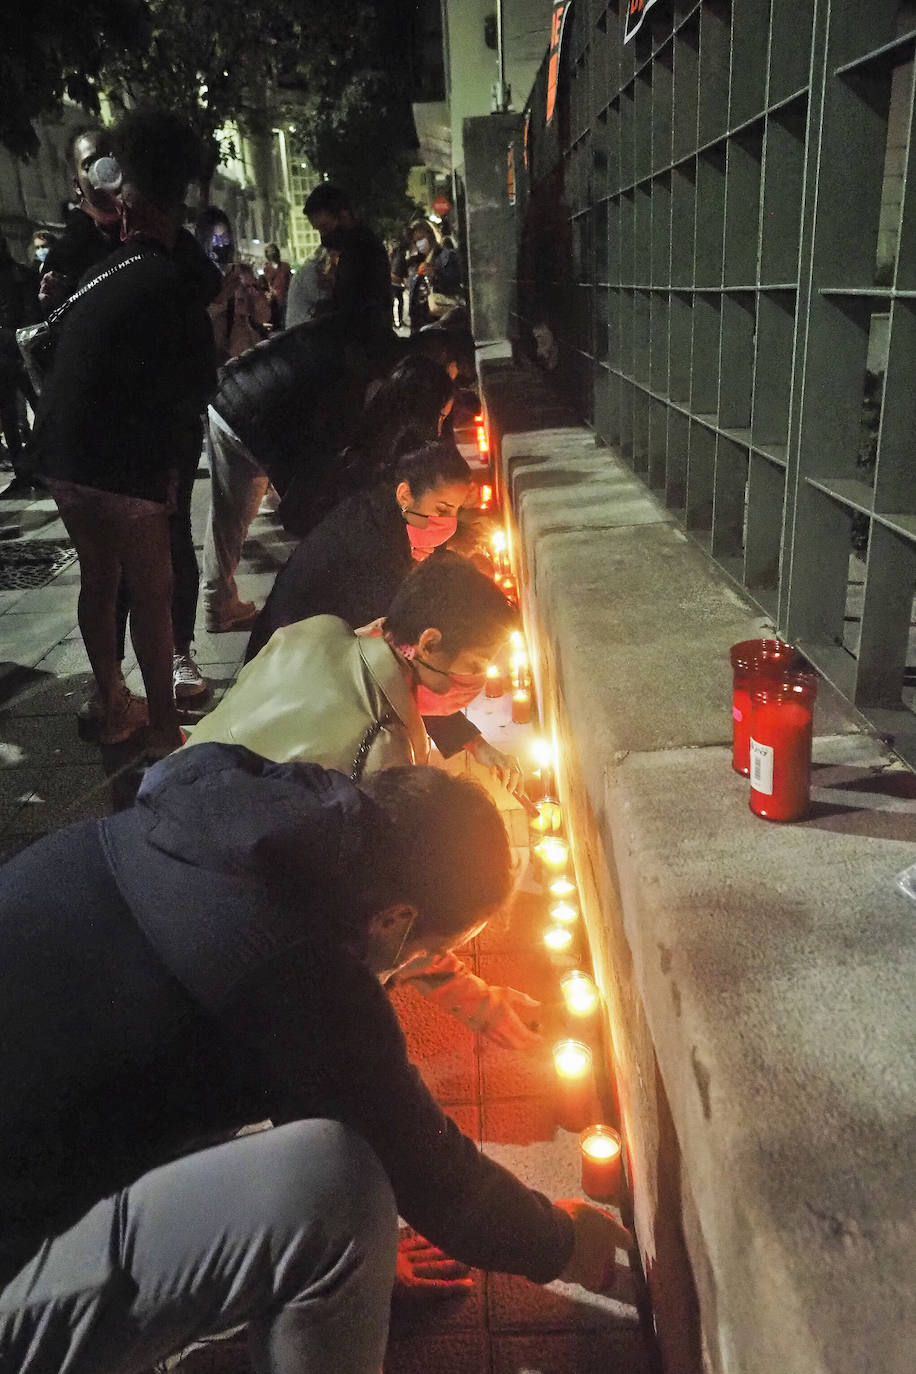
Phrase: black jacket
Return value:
(362, 286)
(132, 370)
(175, 971)
(351, 565)
(82, 246)
(295, 399)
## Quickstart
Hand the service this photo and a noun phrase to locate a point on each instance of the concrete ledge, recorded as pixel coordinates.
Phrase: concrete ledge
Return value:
(759, 978)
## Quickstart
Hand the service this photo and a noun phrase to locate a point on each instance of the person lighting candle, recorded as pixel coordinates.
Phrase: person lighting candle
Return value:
(209, 957)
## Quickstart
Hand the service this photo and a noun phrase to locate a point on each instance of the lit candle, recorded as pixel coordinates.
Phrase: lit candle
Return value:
(494, 686)
(516, 638)
(550, 815)
(508, 587)
(541, 778)
(519, 668)
(562, 887)
(575, 1085)
(599, 1147)
(521, 706)
(552, 853)
(564, 913)
(580, 994)
(558, 939)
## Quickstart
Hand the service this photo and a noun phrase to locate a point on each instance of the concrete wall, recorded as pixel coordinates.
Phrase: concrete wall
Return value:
(758, 978)
(490, 227)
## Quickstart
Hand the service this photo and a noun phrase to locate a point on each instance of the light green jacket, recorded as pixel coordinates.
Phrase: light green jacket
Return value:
(318, 693)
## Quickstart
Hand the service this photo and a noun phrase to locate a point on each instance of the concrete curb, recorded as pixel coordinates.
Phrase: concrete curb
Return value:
(759, 978)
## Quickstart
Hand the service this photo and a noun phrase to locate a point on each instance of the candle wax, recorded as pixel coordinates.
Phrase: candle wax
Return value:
(494, 685)
(521, 708)
(780, 751)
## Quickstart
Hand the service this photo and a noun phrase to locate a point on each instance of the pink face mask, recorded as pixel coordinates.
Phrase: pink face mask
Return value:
(436, 531)
(461, 691)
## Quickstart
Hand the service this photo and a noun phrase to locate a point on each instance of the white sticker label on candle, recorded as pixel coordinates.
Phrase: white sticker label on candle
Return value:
(762, 768)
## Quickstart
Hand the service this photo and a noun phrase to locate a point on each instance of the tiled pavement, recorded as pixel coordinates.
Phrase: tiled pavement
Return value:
(49, 778)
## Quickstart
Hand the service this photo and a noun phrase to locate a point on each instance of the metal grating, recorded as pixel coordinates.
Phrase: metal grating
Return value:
(719, 226)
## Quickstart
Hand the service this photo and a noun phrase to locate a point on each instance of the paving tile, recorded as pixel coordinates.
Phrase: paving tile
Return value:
(441, 1047)
(519, 1121)
(575, 1352)
(516, 1073)
(513, 1304)
(29, 741)
(52, 796)
(551, 1166)
(467, 1311)
(521, 928)
(462, 1353)
(26, 638)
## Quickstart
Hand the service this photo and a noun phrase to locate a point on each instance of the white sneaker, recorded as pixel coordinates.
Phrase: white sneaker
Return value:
(187, 677)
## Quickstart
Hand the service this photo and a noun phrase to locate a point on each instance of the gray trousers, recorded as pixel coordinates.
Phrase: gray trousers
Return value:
(238, 484)
(291, 1231)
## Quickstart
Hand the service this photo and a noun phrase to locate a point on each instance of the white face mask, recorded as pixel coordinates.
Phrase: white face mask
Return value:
(423, 245)
(42, 253)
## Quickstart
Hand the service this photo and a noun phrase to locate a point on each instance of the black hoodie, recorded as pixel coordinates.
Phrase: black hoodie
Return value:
(176, 971)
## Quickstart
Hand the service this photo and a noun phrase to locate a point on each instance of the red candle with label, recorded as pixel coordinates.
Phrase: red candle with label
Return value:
(599, 1147)
(782, 715)
(752, 660)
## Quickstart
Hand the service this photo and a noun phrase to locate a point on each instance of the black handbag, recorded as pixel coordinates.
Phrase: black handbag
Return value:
(37, 342)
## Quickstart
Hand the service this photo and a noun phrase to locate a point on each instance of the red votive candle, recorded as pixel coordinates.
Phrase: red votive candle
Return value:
(494, 685)
(575, 1084)
(752, 660)
(521, 707)
(782, 714)
(599, 1147)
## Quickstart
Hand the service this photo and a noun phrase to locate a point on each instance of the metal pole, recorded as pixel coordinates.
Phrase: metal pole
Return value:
(501, 101)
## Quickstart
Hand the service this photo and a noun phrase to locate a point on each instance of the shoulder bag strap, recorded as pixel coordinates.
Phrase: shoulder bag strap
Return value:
(55, 315)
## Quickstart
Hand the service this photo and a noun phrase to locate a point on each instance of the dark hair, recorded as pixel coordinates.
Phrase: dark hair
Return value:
(207, 221)
(272, 251)
(403, 413)
(431, 466)
(327, 197)
(447, 593)
(445, 346)
(159, 153)
(446, 850)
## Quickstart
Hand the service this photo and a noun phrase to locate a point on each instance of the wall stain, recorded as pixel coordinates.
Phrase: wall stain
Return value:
(702, 1075)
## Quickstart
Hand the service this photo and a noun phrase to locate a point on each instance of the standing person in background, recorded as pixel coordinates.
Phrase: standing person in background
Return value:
(118, 421)
(277, 276)
(362, 282)
(397, 256)
(438, 274)
(239, 311)
(310, 288)
(16, 308)
(92, 231)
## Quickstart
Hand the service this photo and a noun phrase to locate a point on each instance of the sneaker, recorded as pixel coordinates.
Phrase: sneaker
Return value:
(123, 720)
(230, 615)
(187, 678)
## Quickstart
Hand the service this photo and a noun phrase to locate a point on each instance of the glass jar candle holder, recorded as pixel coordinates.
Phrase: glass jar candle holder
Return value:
(751, 660)
(521, 706)
(599, 1149)
(494, 685)
(782, 728)
(575, 1093)
(581, 997)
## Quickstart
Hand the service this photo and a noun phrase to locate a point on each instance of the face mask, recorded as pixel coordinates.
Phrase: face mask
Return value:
(423, 245)
(461, 691)
(437, 530)
(221, 249)
(42, 253)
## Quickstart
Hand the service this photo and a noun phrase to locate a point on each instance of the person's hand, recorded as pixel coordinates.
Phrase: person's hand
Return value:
(507, 768)
(425, 1273)
(598, 1236)
(512, 1020)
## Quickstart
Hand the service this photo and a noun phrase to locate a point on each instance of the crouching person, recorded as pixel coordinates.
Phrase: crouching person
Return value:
(210, 958)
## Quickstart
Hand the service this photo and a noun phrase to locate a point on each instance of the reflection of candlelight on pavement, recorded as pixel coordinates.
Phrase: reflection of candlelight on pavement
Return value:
(552, 853)
(562, 887)
(564, 913)
(579, 993)
(600, 1150)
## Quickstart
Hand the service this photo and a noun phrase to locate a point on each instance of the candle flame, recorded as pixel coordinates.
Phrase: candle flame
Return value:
(498, 540)
(600, 1146)
(572, 1059)
(579, 993)
(516, 638)
(552, 852)
(493, 671)
(558, 938)
(542, 752)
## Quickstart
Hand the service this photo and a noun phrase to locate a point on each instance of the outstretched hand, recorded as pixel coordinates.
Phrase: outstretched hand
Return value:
(426, 1274)
(507, 768)
(598, 1236)
(512, 1020)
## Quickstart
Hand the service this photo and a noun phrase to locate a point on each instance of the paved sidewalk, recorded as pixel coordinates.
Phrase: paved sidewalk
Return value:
(503, 1099)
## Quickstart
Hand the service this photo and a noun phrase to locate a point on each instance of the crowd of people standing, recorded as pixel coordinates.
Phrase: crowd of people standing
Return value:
(215, 956)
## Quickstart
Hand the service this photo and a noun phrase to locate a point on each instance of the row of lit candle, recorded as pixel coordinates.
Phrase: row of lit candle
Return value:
(577, 1099)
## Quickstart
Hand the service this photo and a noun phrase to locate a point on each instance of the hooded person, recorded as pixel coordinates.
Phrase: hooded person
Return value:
(318, 691)
(210, 958)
